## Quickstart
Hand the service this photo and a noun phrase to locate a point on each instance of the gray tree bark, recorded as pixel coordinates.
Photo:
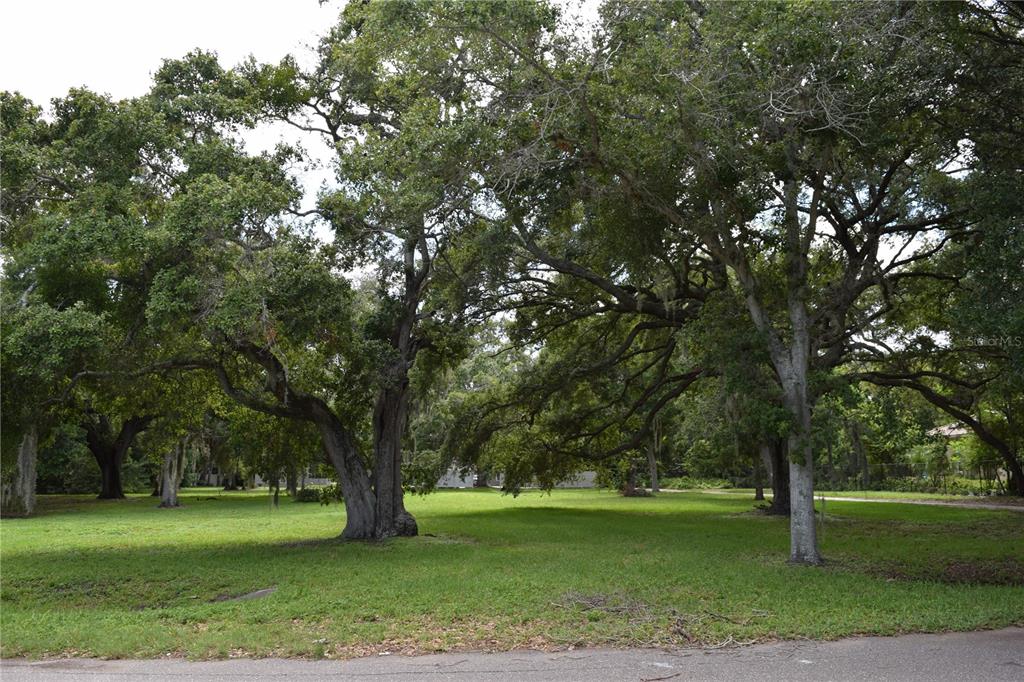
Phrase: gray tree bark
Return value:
(18, 491)
(170, 476)
(360, 502)
(791, 358)
(388, 425)
(803, 534)
(391, 408)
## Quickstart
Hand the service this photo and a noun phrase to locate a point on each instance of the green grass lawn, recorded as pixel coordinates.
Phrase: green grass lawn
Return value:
(124, 578)
(893, 495)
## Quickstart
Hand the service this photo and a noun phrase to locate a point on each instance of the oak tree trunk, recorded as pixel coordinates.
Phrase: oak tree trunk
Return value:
(111, 466)
(291, 481)
(803, 535)
(170, 476)
(776, 461)
(390, 410)
(792, 364)
(110, 451)
(1015, 484)
(780, 478)
(357, 494)
(388, 426)
(1015, 476)
(18, 491)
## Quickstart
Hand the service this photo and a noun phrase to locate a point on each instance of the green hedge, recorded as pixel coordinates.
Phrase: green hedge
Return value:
(324, 494)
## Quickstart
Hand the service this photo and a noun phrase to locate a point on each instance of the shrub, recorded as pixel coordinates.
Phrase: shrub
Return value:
(330, 493)
(66, 465)
(324, 494)
(950, 485)
(311, 494)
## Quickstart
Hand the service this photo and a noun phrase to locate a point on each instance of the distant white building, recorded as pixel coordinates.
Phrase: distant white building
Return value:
(584, 479)
(453, 479)
(950, 431)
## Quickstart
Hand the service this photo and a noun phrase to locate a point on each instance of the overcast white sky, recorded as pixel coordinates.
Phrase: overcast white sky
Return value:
(113, 46)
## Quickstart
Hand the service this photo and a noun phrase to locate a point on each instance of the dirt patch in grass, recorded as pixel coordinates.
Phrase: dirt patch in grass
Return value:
(536, 635)
(992, 572)
(616, 604)
(647, 625)
(453, 638)
(257, 594)
(583, 620)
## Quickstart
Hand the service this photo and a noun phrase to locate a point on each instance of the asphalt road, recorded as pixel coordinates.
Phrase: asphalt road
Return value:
(993, 655)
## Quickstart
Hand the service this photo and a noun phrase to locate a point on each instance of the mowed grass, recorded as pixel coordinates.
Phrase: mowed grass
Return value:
(123, 578)
(891, 495)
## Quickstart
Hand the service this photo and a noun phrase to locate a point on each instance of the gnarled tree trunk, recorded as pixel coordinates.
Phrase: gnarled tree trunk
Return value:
(111, 451)
(388, 425)
(18, 491)
(358, 491)
(360, 503)
(391, 408)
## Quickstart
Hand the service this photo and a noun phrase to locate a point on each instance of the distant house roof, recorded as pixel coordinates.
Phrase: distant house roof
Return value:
(953, 430)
